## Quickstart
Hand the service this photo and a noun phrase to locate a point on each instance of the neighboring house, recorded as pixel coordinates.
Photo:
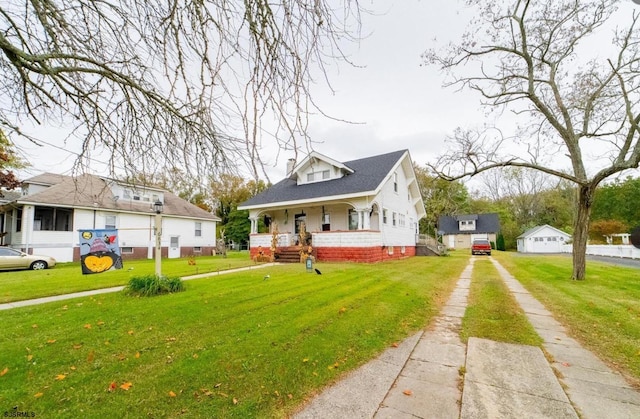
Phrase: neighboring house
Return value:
(362, 210)
(459, 231)
(46, 218)
(542, 239)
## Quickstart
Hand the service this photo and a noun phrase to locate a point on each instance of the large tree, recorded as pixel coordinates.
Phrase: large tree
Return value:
(9, 161)
(167, 83)
(576, 102)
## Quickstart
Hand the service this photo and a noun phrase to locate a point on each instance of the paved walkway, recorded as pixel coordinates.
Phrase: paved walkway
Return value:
(36, 301)
(434, 375)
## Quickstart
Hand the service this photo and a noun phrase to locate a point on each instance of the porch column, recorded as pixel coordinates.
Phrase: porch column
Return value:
(366, 225)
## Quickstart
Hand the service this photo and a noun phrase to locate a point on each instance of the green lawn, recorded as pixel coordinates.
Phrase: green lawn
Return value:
(67, 277)
(235, 345)
(602, 312)
(492, 312)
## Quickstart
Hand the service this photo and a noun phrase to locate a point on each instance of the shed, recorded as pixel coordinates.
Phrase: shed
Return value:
(542, 239)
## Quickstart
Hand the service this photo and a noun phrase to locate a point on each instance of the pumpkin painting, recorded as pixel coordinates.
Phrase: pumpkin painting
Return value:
(98, 263)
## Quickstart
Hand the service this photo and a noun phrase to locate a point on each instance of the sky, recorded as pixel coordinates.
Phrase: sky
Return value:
(393, 101)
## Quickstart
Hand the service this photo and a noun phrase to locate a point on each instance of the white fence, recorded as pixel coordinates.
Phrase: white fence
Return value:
(614, 250)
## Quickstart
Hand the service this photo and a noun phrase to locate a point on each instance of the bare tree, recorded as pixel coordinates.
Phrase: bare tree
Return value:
(530, 57)
(166, 82)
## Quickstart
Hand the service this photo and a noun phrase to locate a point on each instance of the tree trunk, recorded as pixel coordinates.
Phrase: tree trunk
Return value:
(581, 232)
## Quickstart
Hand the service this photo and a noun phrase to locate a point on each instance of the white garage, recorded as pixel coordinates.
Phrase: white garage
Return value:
(542, 239)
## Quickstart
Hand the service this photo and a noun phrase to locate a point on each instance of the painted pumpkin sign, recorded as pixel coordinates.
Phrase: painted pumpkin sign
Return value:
(99, 251)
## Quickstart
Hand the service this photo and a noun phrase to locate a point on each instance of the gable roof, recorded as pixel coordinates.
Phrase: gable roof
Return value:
(367, 176)
(91, 191)
(537, 229)
(485, 223)
(315, 155)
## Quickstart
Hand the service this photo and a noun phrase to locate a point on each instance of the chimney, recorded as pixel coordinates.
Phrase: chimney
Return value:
(290, 165)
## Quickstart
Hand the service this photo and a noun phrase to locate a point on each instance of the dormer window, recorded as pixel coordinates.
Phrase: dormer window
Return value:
(467, 225)
(316, 176)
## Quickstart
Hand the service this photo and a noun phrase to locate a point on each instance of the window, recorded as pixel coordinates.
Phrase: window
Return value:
(110, 222)
(353, 219)
(198, 229)
(197, 249)
(19, 219)
(314, 176)
(126, 250)
(395, 182)
(401, 220)
(394, 219)
(52, 219)
(467, 225)
(384, 216)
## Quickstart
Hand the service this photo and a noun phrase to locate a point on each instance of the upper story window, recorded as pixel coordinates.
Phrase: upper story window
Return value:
(198, 231)
(395, 182)
(315, 176)
(466, 225)
(384, 216)
(110, 221)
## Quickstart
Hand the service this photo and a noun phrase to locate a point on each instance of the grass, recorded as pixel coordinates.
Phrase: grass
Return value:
(602, 312)
(234, 345)
(493, 313)
(67, 277)
(150, 285)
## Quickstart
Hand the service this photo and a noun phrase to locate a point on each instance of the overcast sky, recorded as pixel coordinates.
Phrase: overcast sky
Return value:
(394, 102)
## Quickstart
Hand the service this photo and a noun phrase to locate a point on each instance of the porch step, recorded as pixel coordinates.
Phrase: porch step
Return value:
(289, 254)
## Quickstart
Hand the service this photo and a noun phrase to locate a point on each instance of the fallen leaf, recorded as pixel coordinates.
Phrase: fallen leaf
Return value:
(172, 394)
(195, 356)
(87, 326)
(407, 392)
(130, 332)
(91, 356)
(121, 357)
(77, 346)
(137, 354)
(126, 386)
(112, 386)
(35, 326)
(343, 309)
(100, 323)
(290, 396)
(73, 368)
(51, 341)
(171, 339)
(305, 360)
(29, 357)
(38, 395)
(566, 364)
(394, 344)
(217, 385)
(65, 307)
(235, 401)
(60, 377)
(4, 371)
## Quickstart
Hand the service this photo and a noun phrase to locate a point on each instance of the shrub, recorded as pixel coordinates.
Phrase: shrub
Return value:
(150, 285)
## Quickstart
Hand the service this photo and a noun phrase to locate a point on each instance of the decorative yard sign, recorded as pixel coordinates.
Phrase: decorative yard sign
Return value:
(99, 251)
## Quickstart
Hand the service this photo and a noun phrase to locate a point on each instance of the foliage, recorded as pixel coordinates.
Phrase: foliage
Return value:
(618, 200)
(500, 245)
(440, 198)
(533, 58)
(238, 226)
(8, 160)
(150, 285)
(598, 230)
(228, 191)
(156, 84)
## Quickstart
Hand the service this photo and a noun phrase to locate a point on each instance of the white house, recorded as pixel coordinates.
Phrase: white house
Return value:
(361, 210)
(542, 239)
(52, 208)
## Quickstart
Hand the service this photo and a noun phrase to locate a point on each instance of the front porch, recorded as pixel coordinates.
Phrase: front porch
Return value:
(335, 246)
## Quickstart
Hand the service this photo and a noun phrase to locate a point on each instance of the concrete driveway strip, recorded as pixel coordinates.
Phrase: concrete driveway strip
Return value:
(595, 390)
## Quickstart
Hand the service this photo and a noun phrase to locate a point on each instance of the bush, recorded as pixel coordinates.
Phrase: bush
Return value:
(150, 285)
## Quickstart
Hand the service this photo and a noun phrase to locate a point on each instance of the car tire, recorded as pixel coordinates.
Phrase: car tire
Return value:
(38, 265)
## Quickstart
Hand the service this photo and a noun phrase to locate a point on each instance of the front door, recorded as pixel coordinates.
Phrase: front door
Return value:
(174, 247)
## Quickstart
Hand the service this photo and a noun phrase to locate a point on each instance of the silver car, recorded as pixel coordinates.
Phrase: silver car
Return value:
(15, 259)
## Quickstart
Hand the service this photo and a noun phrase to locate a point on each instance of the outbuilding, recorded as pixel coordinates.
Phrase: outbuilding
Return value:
(542, 239)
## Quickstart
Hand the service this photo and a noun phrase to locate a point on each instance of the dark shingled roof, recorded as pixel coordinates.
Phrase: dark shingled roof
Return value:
(485, 223)
(89, 191)
(368, 174)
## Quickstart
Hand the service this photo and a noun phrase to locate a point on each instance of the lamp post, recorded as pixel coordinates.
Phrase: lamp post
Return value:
(157, 207)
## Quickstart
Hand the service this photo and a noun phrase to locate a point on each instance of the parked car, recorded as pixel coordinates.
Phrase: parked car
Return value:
(480, 247)
(15, 259)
